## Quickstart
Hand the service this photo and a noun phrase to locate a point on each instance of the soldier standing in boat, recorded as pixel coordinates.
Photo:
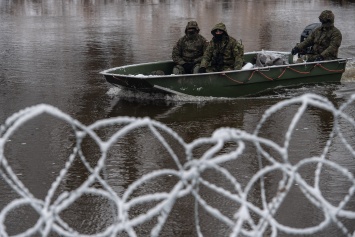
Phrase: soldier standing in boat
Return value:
(223, 53)
(325, 40)
(187, 52)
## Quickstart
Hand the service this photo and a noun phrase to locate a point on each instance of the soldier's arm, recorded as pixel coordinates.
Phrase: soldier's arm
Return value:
(334, 44)
(239, 56)
(204, 44)
(207, 56)
(309, 41)
(176, 54)
(198, 60)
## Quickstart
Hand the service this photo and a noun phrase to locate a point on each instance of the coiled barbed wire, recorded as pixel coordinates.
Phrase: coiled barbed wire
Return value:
(189, 175)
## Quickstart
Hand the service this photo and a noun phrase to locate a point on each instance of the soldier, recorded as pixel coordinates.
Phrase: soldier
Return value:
(325, 40)
(223, 52)
(188, 51)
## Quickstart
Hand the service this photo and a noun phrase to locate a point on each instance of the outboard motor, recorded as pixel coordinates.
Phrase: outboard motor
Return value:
(306, 32)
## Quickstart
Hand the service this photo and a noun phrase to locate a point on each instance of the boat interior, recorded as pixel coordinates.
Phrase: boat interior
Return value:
(259, 58)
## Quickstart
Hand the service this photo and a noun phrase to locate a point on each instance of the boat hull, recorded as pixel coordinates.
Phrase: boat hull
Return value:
(224, 84)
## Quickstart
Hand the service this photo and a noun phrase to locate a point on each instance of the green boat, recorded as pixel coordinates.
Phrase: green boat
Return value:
(237, 83)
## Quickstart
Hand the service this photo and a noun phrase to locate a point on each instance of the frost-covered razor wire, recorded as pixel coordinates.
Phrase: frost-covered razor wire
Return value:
(249, 219)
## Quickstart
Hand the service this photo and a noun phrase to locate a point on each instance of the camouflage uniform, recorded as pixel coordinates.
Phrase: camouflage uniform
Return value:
(325, 40)
(223, 55)
(189, 49)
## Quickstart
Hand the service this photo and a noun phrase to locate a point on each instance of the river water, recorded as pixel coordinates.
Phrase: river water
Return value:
(52, 51)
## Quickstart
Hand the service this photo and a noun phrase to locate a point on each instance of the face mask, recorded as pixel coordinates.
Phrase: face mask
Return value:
(323, 21)
(218, 37)
(191, 32)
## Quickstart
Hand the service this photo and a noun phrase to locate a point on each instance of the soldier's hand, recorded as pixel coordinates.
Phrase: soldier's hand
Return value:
(319, 58)
(295, 51)
(202, 70)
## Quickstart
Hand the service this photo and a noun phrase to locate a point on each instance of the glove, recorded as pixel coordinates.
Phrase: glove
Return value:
(295, 51)
(188, 67)
(319, 58)
(202, 70)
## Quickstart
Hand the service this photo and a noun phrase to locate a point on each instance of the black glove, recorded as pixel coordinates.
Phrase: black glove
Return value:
(295, 51)
(202, 70)
(319, 58)
(188, 67)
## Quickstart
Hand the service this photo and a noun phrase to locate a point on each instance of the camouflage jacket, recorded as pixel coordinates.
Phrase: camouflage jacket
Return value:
(325, 40)
(189, 49)
(226, 54)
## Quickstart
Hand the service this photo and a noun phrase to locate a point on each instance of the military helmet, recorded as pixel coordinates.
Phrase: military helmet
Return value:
(326, 16)
(192, 25)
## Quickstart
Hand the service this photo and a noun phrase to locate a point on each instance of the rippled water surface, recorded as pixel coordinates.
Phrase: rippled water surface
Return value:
(52, 52)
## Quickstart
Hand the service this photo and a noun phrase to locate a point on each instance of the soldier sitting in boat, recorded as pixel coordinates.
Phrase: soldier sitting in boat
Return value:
(223, 53)
(187, 52)
(325, 40)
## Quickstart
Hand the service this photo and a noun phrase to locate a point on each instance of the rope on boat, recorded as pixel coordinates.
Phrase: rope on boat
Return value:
(251, 75)
(295, 70)
(240, 82)
(318, 64)
(283, 72)
(269, 78)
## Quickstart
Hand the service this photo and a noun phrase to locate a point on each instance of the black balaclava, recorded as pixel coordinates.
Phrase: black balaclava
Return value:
(218, 37)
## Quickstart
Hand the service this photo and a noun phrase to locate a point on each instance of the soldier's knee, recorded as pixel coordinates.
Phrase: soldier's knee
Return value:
(178, 70)
(196, 69)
